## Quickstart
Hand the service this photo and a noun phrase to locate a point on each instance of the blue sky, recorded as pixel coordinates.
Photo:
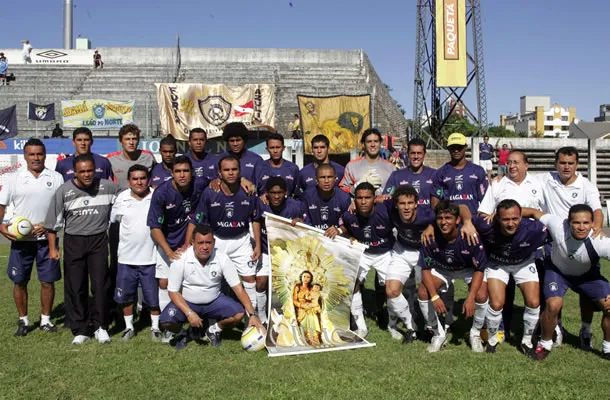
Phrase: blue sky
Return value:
(532, 47)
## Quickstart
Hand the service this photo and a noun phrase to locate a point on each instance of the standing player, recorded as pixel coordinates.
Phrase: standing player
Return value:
(371, 226)
(574, 264)
(30, 192)
(277, 166)
(236, 135)
(137, 254)
(229, 212)
(451, 257)
(82, 207)
(319, 150)
(162, 172)
(486, 152)
(82, 139)
(129, 137)
(277, 204)
(204, 164)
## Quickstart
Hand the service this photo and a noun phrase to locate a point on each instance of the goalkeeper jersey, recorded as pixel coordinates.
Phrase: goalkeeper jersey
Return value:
(360, 169)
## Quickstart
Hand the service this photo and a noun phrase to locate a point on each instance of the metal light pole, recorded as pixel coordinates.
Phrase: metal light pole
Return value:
(68, 24)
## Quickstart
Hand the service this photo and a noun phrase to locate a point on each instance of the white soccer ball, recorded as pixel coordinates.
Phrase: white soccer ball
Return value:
(21, 227)
(252, 339)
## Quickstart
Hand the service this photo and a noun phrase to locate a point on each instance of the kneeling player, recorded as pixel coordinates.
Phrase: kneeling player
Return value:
(451, 257)
(195, 281)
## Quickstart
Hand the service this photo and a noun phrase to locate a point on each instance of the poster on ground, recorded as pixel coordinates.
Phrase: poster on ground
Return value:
(342, 119)
(184, 106)
(312, 281)
(97, 114)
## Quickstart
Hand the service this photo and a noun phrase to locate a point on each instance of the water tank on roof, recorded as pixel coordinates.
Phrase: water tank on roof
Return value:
(83, 44)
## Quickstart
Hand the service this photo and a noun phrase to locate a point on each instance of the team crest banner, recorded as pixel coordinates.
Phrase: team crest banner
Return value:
(97, 114)
(184, 106)
(312, 280)
(342, 119)
(8, 123)
(38, 112)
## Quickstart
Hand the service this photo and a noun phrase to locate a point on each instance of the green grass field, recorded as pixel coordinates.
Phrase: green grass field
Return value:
(48, 366)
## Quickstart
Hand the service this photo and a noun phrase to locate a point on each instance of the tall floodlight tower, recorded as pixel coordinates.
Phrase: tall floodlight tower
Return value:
(448, 63)
(68, 24)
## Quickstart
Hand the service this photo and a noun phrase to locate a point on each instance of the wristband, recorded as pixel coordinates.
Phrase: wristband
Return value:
(434, 298)
(188, 314)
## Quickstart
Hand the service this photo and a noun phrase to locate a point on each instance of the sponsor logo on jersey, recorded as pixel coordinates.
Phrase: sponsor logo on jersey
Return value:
(249, 165)
(524, 244)
(156, 178)
(354, 224)
(462, 196)
(170, 206)
(446, 179)
(245, 203)
(465, 252)
(265, 177)
(309, 179)
(473, 176)
(380, 227)
(86, 211)
(313, 207)
(231, 224)
(337, 209)
(289, 177)
(215, 204)
(429, 181)
(69, 193)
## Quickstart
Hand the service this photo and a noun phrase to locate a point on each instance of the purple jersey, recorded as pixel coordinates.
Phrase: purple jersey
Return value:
(171, 211)
(456, 256)
(290, 209)
(307, 176)
(374, 231)
(461, 186)
(228, 216)
(159, 174)
(249, 164)
(486, 151)
(514, 249)
(103, 169)
(409, 233)
(287, 171)
(324, 214)
(207, 167)
(422, 182)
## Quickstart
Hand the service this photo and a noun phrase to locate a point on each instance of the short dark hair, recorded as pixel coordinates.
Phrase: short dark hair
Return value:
(83, 158)
(405, 190)
(229, 158)
(275, 136)
(507, 204)
(447, 207)
(566, 151)
(182, 159)
(235, 129)
(276, 181)
(525, 159)
(197, 130)
(416, 142)
(320, 138)
(577, 208)
(129, 128)
(368, 132)
(137, 167)
(34, 142)
(83, 130)
(326, 166)
(169, 140)
(365, 186)
(202, 230)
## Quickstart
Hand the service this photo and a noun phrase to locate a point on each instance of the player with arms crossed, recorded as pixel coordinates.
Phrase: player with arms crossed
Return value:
(307, 175)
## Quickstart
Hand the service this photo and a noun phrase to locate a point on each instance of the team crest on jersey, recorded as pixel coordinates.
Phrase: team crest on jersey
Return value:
(574, 195)
(459, 182)
(49, 183)
(215, 109)
(86, 202)
(449, 255)
(172, 312)
(367, 232)
(324, 213)
(553, 286)
(213, 273)
(229, 209)
(416, 185)
(199, 172)
(534, 191)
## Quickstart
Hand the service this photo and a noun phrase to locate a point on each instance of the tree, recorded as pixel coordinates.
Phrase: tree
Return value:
(501, 131)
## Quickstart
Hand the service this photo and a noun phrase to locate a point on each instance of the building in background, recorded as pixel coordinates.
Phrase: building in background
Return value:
(538, 117)
(604, 113)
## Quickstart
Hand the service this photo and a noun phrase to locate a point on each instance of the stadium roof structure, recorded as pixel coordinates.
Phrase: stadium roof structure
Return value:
(590, 130)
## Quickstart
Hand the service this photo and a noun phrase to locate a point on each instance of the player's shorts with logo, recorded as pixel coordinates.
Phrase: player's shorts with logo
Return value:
(448, 276)
(163, 263)
(522, 273)
(222, 307)
(239, 250)
(127, 280)
(592, 284)
(21, 262)
(404, 262)
(380, 262)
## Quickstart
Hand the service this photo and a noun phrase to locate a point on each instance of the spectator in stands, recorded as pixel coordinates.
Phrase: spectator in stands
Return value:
(295, 127)
(27, 51)
(3, 70)
(3, 57)
(97, 60)
(57, 132)
(503, 154)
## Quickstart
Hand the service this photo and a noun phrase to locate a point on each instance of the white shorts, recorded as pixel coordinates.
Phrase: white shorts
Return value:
(524, 272)
(163, 263)
(239, 250)
(448, 276)
(487, 165)
(404, 261)
(263, 268)
(378, 261)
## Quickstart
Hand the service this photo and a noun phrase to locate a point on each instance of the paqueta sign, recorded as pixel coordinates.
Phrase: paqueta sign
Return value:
(451, 63)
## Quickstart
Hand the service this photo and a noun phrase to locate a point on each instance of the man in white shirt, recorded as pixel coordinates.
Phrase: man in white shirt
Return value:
(137, 252)
(574, 264)
(30, 191)
(26, 52)
(195, 281)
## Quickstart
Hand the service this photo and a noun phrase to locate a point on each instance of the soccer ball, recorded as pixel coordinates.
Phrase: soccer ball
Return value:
(252, 339)
(21, 227)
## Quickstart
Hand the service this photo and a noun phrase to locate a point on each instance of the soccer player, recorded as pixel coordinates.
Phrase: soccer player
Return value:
(129, 137)
(162, 172)
(236, 135)
(277, 166)
(574, 264)
(204, 164)
(30, 192)
(371, 226)
(195, 282)
(451, 257)
(325, 203)
(82, 139)
(371, 167)
(511, 243)
(486, 152)
(137, 253)
(82, 207)
(319, 149)
(416, 174)
(229, 212)
(279, 204)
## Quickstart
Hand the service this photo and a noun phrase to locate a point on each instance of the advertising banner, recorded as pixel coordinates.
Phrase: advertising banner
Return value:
(451, 63)
(52, 57)
(342, 119)
(8, 123)
(97, 114)
(312, 281)
(38, 112)
(184, 106)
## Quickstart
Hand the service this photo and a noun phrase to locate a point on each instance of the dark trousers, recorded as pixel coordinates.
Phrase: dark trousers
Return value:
(86, 258)
(113, 240)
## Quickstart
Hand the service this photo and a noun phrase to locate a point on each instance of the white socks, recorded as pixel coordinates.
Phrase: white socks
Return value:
(358, 311)
(494, 318)
(400, 307)
(215, 328)
(427, 309)
(45, 320)
(25, 320)
(480, 310)
(164, 299)
(606, 346)
(154, 321)
(530, 319)
(250, 288)
(547, 344)
(128, 321)
(261, 306)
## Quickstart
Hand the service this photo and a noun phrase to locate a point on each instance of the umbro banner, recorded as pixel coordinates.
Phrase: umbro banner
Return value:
(8, 123)
(97, 114)
(184, 106)
(38, 112)
(312, 281)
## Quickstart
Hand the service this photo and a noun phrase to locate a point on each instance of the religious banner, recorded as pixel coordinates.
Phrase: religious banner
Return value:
(312, 281)
(97, 114)
(184, 106)
(37, 112)
(342, 119)
(8, 123)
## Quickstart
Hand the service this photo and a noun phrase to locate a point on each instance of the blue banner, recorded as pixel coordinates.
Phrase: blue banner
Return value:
(37, 112)
(8, 123)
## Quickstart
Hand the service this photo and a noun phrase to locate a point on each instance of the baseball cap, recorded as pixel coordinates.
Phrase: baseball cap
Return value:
(456, 139)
